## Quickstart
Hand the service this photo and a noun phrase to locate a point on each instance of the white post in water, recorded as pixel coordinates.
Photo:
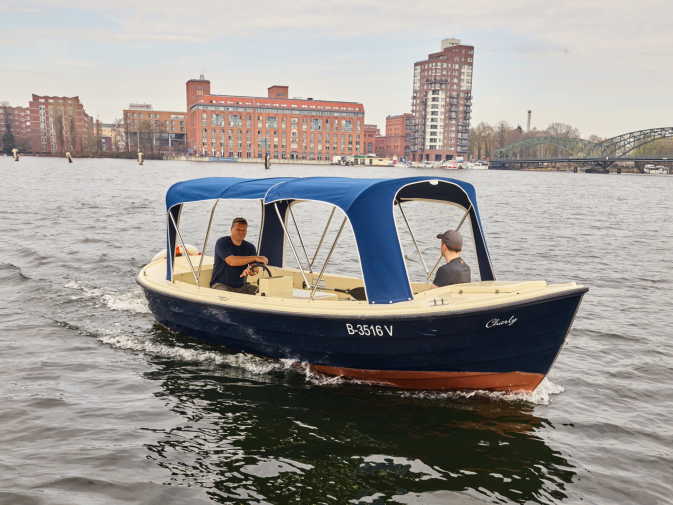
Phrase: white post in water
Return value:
(15, 154)
(68, 156)
(140, 158)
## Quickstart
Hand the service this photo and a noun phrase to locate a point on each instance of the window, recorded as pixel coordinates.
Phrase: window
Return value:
(348, 125)
(271, 122)
(316, 124)
(234, 121)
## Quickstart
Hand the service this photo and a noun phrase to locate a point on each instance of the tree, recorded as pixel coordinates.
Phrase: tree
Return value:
(661, 147)
(8, 142)
(563, 130)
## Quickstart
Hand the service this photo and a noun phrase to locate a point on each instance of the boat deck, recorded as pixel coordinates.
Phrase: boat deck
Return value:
(294, 297)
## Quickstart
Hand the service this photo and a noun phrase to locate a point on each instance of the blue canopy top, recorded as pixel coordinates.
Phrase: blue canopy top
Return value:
(368, 204)
(211, 188)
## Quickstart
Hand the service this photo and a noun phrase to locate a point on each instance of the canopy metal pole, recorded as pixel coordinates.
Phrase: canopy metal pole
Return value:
(425, 267)
(205, 242)
(184, 247)
(329, 255)
(467, 212)
(322, 237)
(261, 228)
(289, 239)
(301, 242)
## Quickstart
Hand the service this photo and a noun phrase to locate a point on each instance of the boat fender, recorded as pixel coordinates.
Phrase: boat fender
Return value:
(179, 251)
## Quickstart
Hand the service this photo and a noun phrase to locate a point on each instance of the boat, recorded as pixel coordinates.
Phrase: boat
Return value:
(655, 170)
(478, 165)
(381, 328)
(451, 165)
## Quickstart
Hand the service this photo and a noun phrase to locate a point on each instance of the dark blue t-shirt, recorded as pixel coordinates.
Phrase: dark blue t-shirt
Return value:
(223, 273)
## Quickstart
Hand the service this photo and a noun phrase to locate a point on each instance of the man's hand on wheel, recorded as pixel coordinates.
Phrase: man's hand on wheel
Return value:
(249, 271)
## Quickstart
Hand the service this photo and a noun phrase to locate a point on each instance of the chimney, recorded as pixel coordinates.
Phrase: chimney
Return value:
(528, 124)
(277, 91)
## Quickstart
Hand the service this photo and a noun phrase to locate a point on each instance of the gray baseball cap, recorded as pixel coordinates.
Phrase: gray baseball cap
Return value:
(452, 240)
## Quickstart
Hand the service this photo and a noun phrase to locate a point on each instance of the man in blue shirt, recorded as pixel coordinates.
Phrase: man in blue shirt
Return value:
(233, 255)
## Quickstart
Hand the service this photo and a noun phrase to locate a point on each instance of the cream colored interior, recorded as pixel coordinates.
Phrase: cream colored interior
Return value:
(286, 292)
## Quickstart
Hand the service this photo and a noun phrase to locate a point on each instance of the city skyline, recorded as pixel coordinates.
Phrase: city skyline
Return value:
(580, 64)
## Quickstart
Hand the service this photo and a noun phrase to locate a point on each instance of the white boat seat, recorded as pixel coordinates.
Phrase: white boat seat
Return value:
(279, 287)
(319, 295)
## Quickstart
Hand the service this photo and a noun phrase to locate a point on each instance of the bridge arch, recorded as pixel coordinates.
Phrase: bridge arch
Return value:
(623, 144)
(615, 147)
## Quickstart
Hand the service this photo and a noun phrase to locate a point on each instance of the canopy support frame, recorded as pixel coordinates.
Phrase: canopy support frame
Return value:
(289, 239)
(261, 227)
(189, 259)
(322, 237)
(205, 242)
(413, 238)
(329, 255)
(301, 241)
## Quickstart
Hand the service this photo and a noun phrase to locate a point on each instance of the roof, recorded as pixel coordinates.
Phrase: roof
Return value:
(212, 188)
(368, 204)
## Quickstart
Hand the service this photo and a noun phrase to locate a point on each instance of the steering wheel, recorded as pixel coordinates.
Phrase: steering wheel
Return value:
(260, 264)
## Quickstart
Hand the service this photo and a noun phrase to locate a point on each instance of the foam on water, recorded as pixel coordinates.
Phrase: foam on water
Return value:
(130, 301)
(542, 395)
(133, 301)
(142, 343)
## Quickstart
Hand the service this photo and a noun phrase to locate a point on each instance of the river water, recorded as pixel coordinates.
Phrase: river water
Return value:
(102, 406)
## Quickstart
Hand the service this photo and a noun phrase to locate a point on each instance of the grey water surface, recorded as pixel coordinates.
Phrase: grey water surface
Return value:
(99, 405)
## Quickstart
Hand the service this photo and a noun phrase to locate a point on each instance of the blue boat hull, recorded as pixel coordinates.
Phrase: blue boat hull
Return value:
(509, 347)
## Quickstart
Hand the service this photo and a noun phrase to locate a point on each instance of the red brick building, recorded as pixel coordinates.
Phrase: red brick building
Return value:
(60, 124)
(154, 131)
(288, 128)
(371, 132)
(398, 138)
(14, 127)
(442, 103)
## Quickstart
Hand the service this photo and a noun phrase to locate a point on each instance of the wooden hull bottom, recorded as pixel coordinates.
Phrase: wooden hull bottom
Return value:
(491, 381)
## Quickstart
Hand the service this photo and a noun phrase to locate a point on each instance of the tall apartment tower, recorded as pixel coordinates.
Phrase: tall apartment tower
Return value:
(442, 103)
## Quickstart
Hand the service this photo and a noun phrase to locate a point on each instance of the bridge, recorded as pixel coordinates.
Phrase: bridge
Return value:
(600, 165)
(602, 154)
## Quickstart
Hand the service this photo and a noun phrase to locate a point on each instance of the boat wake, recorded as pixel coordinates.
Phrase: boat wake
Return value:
(542, 395)
(142, 343)
(130, 301)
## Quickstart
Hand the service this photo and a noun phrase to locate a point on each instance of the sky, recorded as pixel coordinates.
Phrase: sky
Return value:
(603, 67)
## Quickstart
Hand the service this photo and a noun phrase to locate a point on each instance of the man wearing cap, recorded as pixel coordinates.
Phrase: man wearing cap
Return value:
(233, 255)
(456, 271)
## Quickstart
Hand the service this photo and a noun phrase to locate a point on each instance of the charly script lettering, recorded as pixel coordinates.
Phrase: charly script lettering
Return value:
(495, 322)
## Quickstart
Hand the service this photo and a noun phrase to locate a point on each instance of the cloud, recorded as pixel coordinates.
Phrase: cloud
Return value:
(573, 61)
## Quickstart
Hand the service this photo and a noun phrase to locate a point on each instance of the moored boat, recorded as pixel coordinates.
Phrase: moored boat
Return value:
(381, 328)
